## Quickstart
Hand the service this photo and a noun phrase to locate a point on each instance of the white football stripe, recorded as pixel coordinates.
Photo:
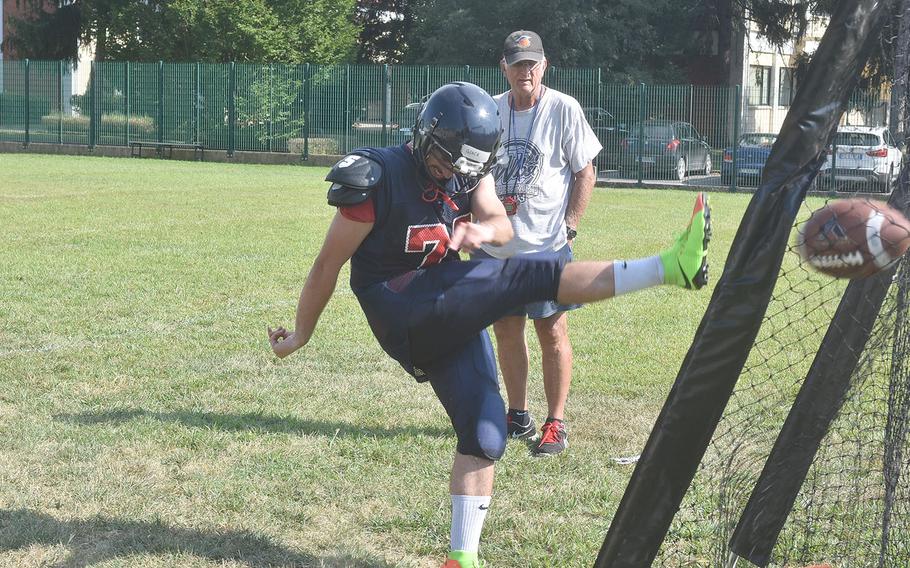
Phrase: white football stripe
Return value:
(874, 239)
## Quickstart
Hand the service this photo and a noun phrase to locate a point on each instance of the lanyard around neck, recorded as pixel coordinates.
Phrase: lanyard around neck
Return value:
(512, 136)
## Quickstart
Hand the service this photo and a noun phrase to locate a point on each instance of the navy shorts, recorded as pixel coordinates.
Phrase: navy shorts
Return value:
(546, 308)
(433, 322)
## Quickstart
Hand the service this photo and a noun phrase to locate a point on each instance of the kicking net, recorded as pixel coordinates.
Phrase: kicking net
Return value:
(853, 508)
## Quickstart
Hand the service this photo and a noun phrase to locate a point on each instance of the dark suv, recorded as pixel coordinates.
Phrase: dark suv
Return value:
(609, 132)
(669, 148)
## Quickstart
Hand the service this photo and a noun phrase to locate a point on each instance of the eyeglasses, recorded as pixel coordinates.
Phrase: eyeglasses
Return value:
(527, 66)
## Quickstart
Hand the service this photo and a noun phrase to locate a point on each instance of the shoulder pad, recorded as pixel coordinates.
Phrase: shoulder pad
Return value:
(353, 179)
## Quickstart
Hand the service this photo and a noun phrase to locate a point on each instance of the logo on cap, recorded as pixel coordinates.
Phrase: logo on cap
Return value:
(524, 41)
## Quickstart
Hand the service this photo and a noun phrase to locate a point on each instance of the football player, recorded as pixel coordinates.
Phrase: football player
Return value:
(403, 214)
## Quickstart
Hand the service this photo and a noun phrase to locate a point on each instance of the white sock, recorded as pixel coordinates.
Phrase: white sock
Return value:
(638, 274)
(468, 515)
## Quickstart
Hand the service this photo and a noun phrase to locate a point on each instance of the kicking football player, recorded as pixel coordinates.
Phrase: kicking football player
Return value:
(403, 214)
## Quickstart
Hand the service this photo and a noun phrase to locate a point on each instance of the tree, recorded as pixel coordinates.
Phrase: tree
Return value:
(317, 31)
(386, 27)
(629, 39)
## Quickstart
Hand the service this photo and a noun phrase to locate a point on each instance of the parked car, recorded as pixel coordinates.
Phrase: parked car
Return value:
(609, 132)
(752, 152)
(407, 116)
(866, 156)
(669, 148)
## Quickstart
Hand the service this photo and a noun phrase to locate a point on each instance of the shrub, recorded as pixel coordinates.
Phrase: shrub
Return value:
(138, 124)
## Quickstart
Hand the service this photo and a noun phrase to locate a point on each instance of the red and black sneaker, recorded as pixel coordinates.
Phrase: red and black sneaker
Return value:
(554, 438)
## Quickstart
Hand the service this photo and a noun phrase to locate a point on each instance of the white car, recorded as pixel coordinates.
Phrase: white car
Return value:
(866, 156)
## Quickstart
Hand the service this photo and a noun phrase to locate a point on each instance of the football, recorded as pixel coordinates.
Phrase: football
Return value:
(853, 238)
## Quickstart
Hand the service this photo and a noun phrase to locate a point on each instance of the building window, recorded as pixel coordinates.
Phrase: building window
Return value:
(787, 86)
(760, 89)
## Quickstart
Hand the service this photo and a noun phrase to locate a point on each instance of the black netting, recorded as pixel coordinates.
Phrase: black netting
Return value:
(853, 510)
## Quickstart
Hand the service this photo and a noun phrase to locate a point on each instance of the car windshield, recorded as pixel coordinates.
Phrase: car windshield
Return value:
(408, 116)
(597, 116)
(660, 131)
(758, 140)
(857, 139)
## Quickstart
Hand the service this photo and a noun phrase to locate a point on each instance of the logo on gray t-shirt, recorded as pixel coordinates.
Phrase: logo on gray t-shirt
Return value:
(518, 171)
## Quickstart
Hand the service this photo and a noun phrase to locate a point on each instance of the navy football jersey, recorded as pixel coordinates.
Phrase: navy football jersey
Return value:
(413, 223)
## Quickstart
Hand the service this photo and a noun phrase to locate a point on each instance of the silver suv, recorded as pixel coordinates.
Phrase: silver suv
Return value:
(866, 156)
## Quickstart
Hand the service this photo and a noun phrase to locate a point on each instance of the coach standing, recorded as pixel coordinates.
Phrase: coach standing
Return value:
(544, 179)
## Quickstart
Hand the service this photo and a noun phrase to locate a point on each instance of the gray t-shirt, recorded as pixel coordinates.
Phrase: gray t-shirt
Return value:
(541, 149)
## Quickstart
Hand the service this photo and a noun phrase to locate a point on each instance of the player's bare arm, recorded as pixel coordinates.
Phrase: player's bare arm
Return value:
(341, 241)
(490, 223)
(582, 187)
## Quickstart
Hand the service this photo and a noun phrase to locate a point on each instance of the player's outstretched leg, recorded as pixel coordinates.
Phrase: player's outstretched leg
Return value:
(686, 262)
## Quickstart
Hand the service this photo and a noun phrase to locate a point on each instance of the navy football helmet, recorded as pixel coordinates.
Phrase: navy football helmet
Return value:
(460, 121)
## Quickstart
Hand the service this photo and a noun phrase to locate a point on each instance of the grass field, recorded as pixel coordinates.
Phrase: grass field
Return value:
(144, 421)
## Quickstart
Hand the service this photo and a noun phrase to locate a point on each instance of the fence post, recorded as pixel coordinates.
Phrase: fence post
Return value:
(467, 73)
(196, 103)
(269, 131)
(600, 101)
(231, 110)
(28, 106)
(833, 176)
(126, 102)
(737, 125)
(160, 101)
(691, 103)
(641, 129)
(386, 103)
(347, 108)
(92, 120)
(306, 111)
(60, 102)
(426, 85)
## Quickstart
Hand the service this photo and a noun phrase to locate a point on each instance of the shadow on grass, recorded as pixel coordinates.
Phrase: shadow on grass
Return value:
(254, 422)
(99, 539)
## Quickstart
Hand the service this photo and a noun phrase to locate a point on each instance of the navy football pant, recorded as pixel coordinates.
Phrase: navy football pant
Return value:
(433, 322)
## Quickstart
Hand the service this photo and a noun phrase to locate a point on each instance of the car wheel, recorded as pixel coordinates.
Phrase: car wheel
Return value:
(681, 169)
(708, 164)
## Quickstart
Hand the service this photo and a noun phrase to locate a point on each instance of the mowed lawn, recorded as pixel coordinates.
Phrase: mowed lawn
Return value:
(144, 421)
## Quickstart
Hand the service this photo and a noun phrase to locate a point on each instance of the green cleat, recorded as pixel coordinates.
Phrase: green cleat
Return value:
(686, 262)
(461, 559)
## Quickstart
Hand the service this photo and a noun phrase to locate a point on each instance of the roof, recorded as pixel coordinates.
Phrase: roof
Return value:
(869, 129)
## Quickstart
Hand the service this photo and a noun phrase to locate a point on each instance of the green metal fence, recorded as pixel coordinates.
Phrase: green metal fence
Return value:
(684, 133)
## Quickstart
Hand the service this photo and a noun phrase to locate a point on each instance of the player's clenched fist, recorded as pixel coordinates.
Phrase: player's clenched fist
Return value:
(469, 236)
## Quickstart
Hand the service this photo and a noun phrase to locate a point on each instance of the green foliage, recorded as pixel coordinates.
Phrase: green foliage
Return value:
(387, 28)
(138, 124)
(316, 31)
(630, 39)
(270, 98)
